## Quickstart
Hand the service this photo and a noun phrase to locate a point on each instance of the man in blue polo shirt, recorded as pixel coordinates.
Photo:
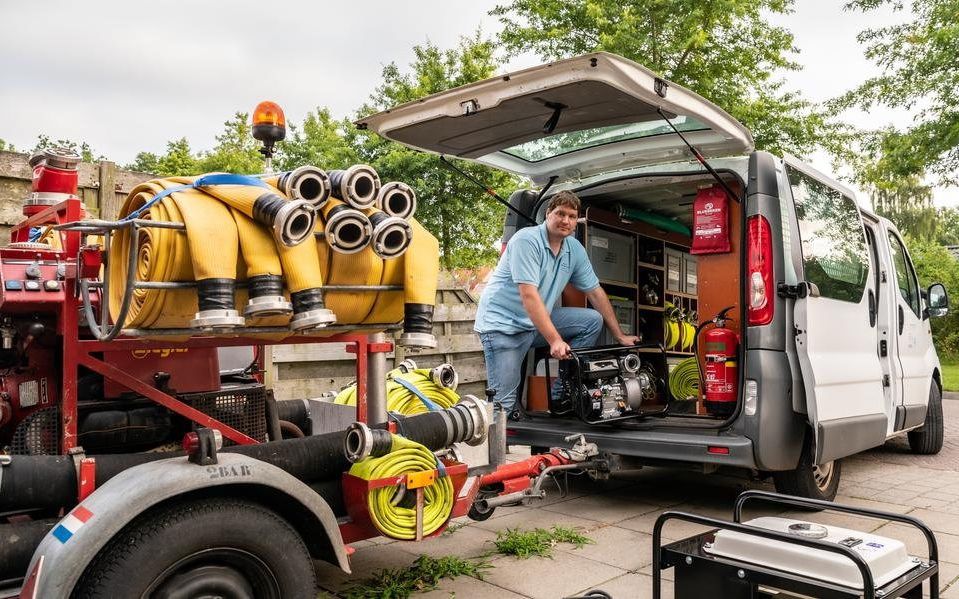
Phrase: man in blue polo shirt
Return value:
(516, 310)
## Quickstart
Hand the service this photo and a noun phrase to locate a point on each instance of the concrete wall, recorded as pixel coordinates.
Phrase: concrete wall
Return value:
(102, 187)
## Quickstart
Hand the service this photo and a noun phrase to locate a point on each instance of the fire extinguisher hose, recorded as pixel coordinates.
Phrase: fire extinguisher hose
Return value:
(392, 509)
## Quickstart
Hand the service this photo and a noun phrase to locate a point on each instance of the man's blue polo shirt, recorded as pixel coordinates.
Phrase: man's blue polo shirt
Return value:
(529, 259)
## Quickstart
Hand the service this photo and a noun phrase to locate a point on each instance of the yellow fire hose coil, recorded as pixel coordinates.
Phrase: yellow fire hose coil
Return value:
(389, 506)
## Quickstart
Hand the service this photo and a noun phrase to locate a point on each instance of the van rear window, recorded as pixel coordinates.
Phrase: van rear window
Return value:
(835, 256)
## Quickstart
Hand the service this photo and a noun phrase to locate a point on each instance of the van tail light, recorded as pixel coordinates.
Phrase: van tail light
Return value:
(759, 269)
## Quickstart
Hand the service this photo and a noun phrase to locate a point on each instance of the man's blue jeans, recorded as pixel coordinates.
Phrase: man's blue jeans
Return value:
(505, 353)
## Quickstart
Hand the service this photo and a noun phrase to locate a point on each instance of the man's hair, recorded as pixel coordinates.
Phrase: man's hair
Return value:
(563, 198)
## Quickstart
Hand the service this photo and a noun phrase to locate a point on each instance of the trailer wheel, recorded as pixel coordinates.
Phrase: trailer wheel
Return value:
(808, 479)
(215, 547)
(927, 439)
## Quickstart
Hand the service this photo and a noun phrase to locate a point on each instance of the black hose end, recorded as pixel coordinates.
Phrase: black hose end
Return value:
(216, 294)
(418, 318)
(265, 285)
(307, 299)
(362, 442)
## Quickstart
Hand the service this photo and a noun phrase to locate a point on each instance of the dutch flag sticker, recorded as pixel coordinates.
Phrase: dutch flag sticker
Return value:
(71, 523)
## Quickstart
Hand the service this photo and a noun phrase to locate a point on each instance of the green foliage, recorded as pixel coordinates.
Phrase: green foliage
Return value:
(725, 50)
(950, 376)
(321, 141)
(934, 264)
(6, 147)
(178, 161)
(947, 220)
(464, 220)
(425, 573)
(539, 542)
(81, 148)
(235, 151)
(917, 58)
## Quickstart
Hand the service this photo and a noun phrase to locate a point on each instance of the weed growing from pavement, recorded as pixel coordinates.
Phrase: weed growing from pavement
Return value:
(453, 527)
(540, 542)
(423, 575)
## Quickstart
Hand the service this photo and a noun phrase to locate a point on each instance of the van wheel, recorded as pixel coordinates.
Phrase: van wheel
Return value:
(808, 479)
(214, 547)
(927, 439)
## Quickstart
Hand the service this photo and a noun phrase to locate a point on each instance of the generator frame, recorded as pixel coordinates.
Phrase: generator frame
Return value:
(702, 574)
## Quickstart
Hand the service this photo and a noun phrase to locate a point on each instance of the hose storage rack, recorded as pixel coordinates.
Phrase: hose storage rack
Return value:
(86, 331)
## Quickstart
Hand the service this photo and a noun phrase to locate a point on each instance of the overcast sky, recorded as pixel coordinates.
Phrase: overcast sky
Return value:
(129, 76)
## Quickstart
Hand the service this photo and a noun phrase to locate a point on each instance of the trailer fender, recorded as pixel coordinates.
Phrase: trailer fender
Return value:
(68, 549)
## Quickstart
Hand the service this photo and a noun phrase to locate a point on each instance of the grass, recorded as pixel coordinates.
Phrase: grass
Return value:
(950, 376)
(539, 542)
(423, 575)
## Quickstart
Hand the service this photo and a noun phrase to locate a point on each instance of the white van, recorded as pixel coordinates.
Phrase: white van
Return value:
(833, 351)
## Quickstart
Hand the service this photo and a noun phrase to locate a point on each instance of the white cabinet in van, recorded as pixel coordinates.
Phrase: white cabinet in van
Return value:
(835, 353)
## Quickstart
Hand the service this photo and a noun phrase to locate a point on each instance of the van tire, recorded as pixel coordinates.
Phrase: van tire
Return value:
(927, 439)
(809, 480)
(213, 546)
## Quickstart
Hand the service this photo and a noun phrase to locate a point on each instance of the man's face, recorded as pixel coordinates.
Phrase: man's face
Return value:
(562, 221)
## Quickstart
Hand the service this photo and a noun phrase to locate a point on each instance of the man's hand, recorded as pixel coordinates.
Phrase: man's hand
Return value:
(559, 349)
(627, 340)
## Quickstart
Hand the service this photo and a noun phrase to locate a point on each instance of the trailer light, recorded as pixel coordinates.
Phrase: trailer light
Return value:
(717, 450)
(193, 446)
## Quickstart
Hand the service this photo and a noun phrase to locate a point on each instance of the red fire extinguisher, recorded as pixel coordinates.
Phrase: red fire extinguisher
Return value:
(721, 372)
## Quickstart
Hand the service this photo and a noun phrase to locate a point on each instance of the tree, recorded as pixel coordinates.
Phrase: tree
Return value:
(918, 62)
(948, 234)
(178, 161)
(934, 264)
(6, 147)
(466, 222)
(725, 50)
(235, 151)
(322, 141)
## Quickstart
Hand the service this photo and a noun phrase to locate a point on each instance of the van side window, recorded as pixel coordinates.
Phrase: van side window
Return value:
(905, 275)
(835, 256)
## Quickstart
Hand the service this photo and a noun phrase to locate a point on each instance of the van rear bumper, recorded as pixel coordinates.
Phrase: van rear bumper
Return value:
(659, 445)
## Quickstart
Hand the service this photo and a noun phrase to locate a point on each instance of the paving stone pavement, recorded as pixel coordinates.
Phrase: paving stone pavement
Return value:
(618, 516)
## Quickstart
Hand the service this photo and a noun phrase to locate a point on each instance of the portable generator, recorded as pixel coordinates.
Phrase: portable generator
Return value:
(607, 384)
(789, 558)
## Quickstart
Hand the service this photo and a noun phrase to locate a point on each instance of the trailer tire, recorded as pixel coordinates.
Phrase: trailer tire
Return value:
(209, 547)
(809, 480)
(927, 439)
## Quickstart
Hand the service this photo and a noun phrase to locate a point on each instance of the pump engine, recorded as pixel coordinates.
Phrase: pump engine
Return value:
(607, 384)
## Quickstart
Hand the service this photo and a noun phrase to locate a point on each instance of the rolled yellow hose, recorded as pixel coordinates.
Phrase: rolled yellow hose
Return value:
(290, 221)
(390, 514)
(162, 255)
(401, 400)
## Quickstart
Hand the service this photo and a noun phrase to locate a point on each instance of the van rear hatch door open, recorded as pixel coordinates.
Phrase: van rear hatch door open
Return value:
(571, 118)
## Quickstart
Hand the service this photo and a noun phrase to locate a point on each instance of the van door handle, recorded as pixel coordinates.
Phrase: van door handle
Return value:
(873, 311)
(902, 319)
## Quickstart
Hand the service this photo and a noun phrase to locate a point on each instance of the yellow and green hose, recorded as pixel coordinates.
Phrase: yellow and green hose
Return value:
(393, 509)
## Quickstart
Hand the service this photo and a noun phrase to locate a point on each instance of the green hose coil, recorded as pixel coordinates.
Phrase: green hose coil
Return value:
(684, 380)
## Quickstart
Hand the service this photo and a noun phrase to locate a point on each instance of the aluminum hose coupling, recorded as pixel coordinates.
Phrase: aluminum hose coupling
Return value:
(469, 420)
(358, 185)
(415, 340)
(267, 305)
(391, 235)
(446, 376)
(307, 183)
(362, 442)
(208, 320)
(397, 199)
(316, 318)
